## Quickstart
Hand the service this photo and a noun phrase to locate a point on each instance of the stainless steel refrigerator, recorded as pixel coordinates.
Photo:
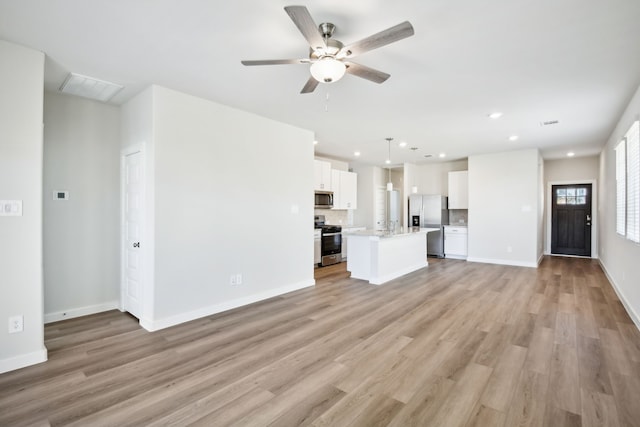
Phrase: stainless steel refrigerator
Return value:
(430, 211)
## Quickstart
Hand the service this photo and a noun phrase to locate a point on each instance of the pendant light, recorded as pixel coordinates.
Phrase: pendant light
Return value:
(389, 183)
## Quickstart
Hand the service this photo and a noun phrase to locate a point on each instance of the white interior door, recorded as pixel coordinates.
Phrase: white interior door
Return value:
(132, 229)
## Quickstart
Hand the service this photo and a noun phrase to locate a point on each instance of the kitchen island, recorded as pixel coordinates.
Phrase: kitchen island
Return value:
(379, 257)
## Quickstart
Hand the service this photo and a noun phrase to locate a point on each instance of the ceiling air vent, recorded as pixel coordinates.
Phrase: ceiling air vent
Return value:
(549, 123)
(88, 87)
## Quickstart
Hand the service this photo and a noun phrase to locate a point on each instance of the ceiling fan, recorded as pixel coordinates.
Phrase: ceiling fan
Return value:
(329, 58)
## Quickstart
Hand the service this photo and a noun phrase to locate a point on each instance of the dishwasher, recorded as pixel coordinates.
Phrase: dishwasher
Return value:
(455, 242)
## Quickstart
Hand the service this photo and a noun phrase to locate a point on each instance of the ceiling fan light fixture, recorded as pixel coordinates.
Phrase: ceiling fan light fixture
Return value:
(328, 69)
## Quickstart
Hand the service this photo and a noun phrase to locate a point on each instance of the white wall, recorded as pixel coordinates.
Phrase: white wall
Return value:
(540, 209)
(81, 235)
(433, 178)
(577, 170)
(369, 179)
(21, 104)
(335, 164)
(504, 212)
(618, 256)
(572, 169)
(233, 194)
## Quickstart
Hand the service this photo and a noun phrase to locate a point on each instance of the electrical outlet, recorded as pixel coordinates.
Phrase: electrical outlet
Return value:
(16, 324)
(239, 279)
(232, 279)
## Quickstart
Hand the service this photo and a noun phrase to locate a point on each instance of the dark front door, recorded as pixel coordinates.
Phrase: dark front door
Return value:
(571, 219)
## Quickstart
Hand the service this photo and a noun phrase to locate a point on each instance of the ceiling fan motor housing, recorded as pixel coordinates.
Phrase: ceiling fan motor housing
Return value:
(333, 47)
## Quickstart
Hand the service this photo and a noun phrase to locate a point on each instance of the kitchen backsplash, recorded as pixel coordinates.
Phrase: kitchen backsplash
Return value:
(339, 217)
(458, 216)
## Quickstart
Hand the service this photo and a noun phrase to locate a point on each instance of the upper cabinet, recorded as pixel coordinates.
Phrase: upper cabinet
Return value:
(345, 189)
(459, 190)
(322, 173)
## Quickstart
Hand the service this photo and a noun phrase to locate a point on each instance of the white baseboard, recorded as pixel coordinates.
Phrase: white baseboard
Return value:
(81, 311)
(23, 360)
(155, 325)
(503, 262)
(632, 313)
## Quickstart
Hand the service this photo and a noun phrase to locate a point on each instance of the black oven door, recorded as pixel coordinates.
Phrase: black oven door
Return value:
(331, 243)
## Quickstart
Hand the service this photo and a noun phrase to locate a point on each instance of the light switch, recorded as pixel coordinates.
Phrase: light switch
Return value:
(10, 207)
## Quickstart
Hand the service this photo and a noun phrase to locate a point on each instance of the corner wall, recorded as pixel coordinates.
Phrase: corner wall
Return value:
(233, 194)
(21, 104)
(504, 211)
(618, 256)
(565, 171)
(81, 235)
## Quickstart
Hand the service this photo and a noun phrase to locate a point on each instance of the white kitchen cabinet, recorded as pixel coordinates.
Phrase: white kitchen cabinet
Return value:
(459, 190)
(455, 242)
(345, 189)
(322, 175)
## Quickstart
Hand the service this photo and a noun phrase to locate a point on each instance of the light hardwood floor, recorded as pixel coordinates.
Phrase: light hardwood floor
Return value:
(454, 344)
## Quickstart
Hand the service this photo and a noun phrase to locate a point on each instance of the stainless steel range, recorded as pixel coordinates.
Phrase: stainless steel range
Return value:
(331, 241)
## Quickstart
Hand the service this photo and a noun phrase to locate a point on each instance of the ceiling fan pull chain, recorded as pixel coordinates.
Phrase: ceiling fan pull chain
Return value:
(326, 102)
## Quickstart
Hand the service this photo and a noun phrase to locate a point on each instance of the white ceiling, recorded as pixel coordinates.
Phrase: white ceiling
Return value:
(575, 61)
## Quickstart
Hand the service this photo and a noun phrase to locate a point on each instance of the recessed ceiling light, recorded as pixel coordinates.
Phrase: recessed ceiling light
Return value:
(442, 155)
(356, 153)
(571, 154)
(402, 144)
(513, 138)
(315, 142)
(388, 161)
(495, 115)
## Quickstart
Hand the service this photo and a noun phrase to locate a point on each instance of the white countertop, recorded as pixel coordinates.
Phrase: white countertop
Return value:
(386, 235)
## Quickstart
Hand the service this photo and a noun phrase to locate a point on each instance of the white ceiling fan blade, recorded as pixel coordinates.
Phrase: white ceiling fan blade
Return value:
(383, 38)
(310, 86)
(365, 72)
(275, 61)
(303, 20)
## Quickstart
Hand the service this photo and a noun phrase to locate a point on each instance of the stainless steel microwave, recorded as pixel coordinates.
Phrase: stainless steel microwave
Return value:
(324, 199)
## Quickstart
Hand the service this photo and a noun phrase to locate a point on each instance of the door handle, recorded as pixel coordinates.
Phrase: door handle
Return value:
(136, 245)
